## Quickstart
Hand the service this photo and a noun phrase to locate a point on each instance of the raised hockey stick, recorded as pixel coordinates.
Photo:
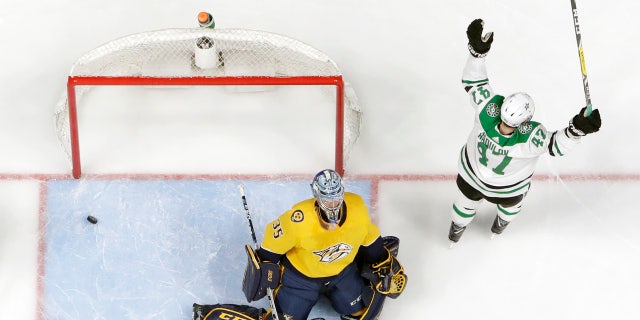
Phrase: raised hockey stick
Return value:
(272, 302)
(585, 82)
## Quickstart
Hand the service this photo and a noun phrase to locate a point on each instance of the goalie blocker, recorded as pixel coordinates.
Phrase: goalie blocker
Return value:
(259, 276)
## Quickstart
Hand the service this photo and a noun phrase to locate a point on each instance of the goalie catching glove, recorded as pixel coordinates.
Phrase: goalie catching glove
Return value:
(258, 276)
(387, 277)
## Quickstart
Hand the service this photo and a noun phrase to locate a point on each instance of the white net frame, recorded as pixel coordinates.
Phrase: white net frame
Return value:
(202, 56)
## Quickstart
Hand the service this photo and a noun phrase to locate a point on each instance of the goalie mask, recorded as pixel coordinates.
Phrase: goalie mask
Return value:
(329, 194)
(517, 109)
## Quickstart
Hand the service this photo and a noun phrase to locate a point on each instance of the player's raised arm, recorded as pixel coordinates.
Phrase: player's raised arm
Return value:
(474, 75)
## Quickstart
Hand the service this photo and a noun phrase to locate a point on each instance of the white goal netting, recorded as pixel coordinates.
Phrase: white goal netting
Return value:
(200, 56)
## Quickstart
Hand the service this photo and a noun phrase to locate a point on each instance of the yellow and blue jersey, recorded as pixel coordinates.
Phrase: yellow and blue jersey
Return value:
(313, 250)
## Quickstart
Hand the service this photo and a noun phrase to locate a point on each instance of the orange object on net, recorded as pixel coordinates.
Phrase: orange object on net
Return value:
(203, 17)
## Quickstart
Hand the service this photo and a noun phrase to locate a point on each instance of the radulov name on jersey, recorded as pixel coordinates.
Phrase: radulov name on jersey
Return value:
(495, 149)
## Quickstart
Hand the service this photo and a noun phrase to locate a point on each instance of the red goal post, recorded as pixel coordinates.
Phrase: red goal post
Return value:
(202, 56)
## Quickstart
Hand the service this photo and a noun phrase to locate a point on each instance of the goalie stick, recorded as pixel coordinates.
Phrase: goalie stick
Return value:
(585, 82)
(272, 302)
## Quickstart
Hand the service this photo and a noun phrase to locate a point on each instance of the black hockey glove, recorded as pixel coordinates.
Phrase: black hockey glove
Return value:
(581, 126)
(258, 276)
(478, 45)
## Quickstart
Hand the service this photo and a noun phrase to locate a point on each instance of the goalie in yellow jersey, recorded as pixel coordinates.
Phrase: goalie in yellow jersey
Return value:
(327, 245)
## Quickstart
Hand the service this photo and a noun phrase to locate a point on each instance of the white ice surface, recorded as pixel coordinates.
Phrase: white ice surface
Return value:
(574, 251)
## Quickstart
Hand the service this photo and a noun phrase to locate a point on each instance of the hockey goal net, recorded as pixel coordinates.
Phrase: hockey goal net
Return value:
(206, 57)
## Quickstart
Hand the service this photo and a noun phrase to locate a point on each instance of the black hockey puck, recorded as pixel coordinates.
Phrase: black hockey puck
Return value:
(92, 219)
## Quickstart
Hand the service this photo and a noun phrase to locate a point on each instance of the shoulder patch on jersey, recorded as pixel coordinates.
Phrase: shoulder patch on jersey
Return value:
(525, 128)
(297, 216)
(493, 110)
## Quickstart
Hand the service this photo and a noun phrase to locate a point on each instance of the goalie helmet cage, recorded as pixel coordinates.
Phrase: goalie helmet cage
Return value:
(202, 56)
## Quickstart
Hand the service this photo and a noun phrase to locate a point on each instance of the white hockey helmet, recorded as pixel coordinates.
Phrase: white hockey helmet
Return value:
(329, 193)
(517, 109)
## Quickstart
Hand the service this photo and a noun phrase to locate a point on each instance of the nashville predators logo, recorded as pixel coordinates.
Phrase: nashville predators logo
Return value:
(335, 252)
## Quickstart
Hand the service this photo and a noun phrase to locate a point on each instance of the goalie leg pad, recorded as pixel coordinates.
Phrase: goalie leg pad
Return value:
(375, 302)
(226, 311)
(258, 276)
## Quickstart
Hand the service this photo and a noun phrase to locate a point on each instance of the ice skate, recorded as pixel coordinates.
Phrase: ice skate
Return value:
(498, 226)
(455, 232)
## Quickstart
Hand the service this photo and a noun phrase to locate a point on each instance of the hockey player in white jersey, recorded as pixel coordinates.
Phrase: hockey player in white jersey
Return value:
(498, 160)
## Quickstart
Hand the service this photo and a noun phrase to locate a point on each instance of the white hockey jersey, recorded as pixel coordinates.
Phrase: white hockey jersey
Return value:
(498, 165)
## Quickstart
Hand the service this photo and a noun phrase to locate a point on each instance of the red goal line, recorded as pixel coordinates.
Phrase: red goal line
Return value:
(593, 177)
